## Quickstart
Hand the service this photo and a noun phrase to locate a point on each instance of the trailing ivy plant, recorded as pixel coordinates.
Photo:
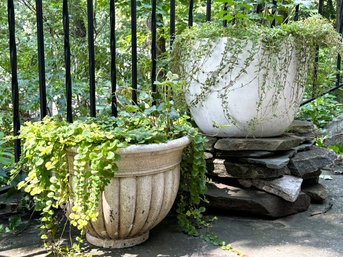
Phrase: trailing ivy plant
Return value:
(96, 141)
(276, 49)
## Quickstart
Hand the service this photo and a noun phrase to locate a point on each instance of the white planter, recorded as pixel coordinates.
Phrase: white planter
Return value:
(139, 196)
(253, 92)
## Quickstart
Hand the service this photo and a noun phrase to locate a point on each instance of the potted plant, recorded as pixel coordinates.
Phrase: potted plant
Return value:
(117, 177)
(247, 80)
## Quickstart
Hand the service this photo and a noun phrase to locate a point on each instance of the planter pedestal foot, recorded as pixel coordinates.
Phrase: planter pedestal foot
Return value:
(120, 243)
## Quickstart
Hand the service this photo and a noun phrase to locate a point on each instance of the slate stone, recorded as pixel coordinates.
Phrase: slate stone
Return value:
(303, 147)
(318, 193)
(240, 154)
(310, 175)
(275, 162)
(252, 144)
(310, 181)
(231, 199)
(307, 162)
(286, 187)
(209, 166)
(301, 127)
(208, 156)
(247, 183)
(304, 129)
(210, 143)
(251, 171)
(219, 168)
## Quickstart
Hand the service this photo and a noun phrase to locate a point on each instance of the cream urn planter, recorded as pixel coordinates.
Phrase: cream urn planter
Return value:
(139, 196)
(243, 87)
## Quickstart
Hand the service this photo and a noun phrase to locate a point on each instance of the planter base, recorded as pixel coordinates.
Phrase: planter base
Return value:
(120, 243)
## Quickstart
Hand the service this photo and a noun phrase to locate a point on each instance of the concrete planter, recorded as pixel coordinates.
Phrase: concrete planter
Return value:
(139, 196)
(253, 92)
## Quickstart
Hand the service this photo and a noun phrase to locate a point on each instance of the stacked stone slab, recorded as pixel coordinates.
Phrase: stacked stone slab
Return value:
(271, 177)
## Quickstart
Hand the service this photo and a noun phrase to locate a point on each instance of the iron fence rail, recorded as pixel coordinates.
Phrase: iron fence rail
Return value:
(112, 41)
(41, 59)
(67, 61)
(113, 59)
(14, 79)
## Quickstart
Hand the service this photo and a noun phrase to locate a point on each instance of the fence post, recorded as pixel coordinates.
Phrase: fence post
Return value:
(91, 60)
(67, 61)
(340, 30)
(225, 21)
(153, 51)
(41, 59)
(190, 13)
(208, 10)
(113, 59)
(15, 89)
(172, 22)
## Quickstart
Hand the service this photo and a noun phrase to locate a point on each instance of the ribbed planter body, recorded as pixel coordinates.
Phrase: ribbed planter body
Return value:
(139, 196)
(240, 88)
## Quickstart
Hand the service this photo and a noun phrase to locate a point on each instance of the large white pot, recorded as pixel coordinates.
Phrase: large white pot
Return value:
(139, 196)
(239, 88)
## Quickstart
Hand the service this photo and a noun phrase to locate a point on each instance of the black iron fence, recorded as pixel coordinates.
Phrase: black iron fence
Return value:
(91, 54)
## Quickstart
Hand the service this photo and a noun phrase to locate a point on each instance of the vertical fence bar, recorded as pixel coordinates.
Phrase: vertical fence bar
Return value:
(91, 59)
(225, 21)
(273, 12)
(316, 58)
(41, 59)
(296, 13)
(172, 22)
(190, 13)
(339, 59)
(259, 8)
(134, 49)
(153, 50)
(320, 6)
(208, 10)
(113, 59)
(67, 61)
(15, 89)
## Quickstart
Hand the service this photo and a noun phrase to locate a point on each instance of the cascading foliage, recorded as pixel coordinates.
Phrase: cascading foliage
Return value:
(273, 50)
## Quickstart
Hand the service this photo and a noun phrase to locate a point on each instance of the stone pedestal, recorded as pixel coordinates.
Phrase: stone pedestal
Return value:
(267, 176)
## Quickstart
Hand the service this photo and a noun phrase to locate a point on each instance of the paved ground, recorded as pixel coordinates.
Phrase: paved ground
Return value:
(301, 235)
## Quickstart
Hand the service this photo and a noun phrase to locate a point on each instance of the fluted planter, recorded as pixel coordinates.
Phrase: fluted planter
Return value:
(139, 196)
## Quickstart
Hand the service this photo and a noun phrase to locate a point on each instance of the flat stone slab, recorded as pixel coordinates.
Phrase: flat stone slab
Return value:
(304, 129)
(301, 126)
(281, 143)
(318, 193)
(210, 143)
(208, 155)
(311, 181)
(251, 171)
(287, 187)
(253, 202)
(302, 147)
(307, 162)
(242, 154)
(275, 162)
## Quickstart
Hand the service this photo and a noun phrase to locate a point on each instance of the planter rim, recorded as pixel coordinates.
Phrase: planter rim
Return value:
(171, 144)
(155, 147)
